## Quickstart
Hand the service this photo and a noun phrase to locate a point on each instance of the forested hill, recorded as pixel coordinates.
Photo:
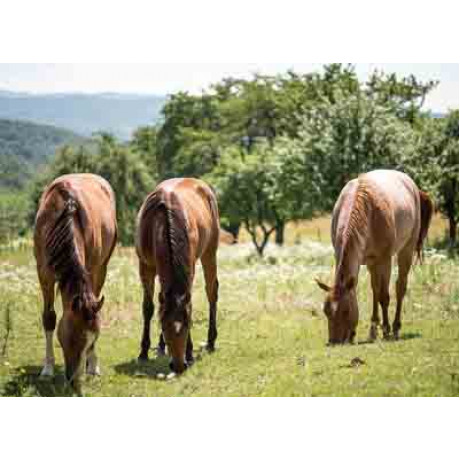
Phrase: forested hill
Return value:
(84, 114)
(24, 146)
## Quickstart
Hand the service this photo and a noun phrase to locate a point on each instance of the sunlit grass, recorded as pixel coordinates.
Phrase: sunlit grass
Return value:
(272, 332)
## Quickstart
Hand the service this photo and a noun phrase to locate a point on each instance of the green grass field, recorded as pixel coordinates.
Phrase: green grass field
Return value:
(272, 332)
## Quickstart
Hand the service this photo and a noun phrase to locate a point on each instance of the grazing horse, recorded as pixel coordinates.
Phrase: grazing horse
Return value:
(377, 216)
(75, 235)
(177, 225)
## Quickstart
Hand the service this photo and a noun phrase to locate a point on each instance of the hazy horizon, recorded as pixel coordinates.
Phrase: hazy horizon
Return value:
(164, 79)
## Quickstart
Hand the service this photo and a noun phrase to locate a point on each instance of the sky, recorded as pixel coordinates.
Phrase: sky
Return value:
(164, 79)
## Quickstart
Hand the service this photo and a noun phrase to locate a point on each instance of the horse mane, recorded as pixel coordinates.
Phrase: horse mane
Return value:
(176, 237)
(62, 252)
(356, 229)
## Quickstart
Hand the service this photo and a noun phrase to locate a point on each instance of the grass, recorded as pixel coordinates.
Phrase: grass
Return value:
(272, 332)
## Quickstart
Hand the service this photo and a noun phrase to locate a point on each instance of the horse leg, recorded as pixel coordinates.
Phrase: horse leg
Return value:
(189, 351)
(161, 349)
(385, 296)
(92, 361)
(405, 259)
(47, 282)
(212, 291)
(147, 275)
(375, 321)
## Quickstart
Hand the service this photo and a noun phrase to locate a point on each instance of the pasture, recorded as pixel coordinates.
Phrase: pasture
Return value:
(272, 331)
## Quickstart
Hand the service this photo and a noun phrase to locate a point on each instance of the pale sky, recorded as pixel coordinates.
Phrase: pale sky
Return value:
(164, 79)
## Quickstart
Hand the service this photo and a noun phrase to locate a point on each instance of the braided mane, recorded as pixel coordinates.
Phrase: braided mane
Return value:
(61, 249)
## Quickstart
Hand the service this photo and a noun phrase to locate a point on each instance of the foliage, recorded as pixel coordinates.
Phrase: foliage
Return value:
(24, 145)
(324, 128)
(335, 144)
(13, 215)
(250, 189)
(119, 164)
(434, 164)
(278, 148)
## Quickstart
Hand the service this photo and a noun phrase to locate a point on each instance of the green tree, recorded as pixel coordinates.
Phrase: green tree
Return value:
(434, 164)
(118, 164)
(250, 191)
(337, 142)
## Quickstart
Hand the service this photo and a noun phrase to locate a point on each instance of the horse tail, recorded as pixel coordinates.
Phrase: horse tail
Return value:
(426, 214)
(61, 250)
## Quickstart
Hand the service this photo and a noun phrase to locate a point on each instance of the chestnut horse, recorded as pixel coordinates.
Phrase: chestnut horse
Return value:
(75, 235)
(378, 216)
(177, 225)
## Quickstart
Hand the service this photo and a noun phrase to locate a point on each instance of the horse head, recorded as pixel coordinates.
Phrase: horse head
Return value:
(341, 310)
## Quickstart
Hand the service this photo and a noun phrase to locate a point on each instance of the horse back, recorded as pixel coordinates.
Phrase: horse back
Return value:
(396, 208)
(94, 217)
(190, 200)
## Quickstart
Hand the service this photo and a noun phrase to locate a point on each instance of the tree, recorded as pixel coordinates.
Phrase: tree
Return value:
(249, 191)
(337, 142)
(434, 164)
(119, 165)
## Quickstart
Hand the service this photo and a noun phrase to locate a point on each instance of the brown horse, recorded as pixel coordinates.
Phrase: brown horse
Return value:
(177, 225)
(378, 216)
(75, 235)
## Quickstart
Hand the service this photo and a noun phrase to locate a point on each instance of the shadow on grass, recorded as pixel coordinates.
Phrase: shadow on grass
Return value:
(152, 368)
(26, 381)
(149, 369)
(402, 338)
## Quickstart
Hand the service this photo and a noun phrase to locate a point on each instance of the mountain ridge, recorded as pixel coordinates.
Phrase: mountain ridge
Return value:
(84, 113)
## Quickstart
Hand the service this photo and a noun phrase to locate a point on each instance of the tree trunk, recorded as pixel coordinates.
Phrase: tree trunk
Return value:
(452, 231)
(280, 229)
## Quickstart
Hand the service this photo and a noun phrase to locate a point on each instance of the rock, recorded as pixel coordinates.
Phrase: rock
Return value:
(357, 362)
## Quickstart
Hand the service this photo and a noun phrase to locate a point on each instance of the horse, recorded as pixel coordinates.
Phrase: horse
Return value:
(74, 238)
(177, 225)
(380, 215)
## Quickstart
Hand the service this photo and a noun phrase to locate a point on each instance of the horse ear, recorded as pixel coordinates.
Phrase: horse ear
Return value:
(99, 305)
(323, 286)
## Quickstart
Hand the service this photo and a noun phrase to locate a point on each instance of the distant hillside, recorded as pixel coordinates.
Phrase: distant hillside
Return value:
(84, 114)
(24, 146)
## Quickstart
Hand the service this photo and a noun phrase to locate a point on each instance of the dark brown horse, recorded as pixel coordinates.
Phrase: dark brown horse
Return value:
(380, 215)
(75, 235)
(177, 225)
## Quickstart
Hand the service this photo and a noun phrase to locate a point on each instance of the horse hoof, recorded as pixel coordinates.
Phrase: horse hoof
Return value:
(143, 358)
(205, 346)
(47, 372)
(96, 372)
(160, 352)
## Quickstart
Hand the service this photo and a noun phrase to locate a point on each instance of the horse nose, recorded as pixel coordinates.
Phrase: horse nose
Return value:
(178, 369)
